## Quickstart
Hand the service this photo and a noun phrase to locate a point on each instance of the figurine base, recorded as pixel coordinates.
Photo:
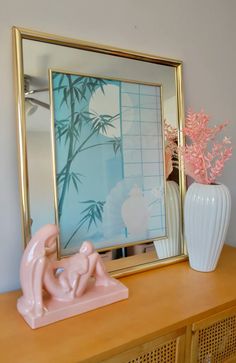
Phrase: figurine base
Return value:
(95, 297)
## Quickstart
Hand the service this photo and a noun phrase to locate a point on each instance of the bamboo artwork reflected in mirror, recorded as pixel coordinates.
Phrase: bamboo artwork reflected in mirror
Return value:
(110, 131)
(98, 131)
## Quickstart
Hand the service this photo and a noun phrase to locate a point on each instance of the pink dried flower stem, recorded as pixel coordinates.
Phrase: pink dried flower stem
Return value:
(171, 138)
(171, 148)
(203, 158)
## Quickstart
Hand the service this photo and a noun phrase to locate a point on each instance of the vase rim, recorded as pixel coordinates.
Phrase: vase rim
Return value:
(208, 185)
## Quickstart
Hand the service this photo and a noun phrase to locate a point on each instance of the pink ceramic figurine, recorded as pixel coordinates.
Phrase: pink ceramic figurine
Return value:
(56, 289)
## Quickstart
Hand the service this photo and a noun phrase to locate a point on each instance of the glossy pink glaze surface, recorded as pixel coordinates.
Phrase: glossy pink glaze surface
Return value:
(56, 289)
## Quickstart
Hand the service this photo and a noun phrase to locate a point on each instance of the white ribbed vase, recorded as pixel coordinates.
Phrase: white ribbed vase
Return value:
(206, 218)
(171, 247)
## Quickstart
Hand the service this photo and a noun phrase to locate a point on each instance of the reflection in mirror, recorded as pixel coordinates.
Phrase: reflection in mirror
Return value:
(41, 56)
(108, 157)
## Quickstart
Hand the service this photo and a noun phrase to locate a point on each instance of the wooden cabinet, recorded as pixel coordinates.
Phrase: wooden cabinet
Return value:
(173, 315)
(214, 338)
(166, 349)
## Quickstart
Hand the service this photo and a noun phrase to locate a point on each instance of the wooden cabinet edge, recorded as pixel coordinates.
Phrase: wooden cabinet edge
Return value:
(133, 353)
(186, 338)
(205, 324)
(211, 319)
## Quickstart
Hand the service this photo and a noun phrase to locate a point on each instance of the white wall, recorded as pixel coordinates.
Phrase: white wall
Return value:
(200, 32)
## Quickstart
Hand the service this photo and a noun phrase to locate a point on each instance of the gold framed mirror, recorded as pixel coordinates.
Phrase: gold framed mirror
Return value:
(158, 81)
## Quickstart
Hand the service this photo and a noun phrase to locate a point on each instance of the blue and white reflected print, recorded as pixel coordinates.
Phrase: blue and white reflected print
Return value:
(109, 161)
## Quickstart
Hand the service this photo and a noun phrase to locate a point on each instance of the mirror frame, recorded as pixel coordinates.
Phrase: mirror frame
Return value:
(19, 34)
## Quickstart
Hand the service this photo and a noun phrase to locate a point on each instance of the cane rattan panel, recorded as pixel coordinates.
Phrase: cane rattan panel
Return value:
(167, 349)
(163, 354)
(217, 342)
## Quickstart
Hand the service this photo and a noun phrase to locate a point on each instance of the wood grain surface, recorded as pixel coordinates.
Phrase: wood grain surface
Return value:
(160, 301)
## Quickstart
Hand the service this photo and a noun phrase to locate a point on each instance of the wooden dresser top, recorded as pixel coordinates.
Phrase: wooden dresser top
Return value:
(160, 301)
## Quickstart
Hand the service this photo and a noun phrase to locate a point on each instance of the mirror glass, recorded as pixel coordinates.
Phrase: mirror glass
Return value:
(39, 56)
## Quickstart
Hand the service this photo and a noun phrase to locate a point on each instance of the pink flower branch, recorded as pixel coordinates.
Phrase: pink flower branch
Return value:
(171, 148)
(204, 158)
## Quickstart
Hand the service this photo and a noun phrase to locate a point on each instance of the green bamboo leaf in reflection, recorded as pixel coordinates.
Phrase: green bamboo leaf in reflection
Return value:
(91, 215)
(61, 128)
(70, 138)
(77, 80)
(65, 97)
(55, 75)
(73, 93)
(101, 123)
(74, 177)
(76, 180)
(116, 144)
(77, 93)
(93, 212)
(61, 80)
(97, 124)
